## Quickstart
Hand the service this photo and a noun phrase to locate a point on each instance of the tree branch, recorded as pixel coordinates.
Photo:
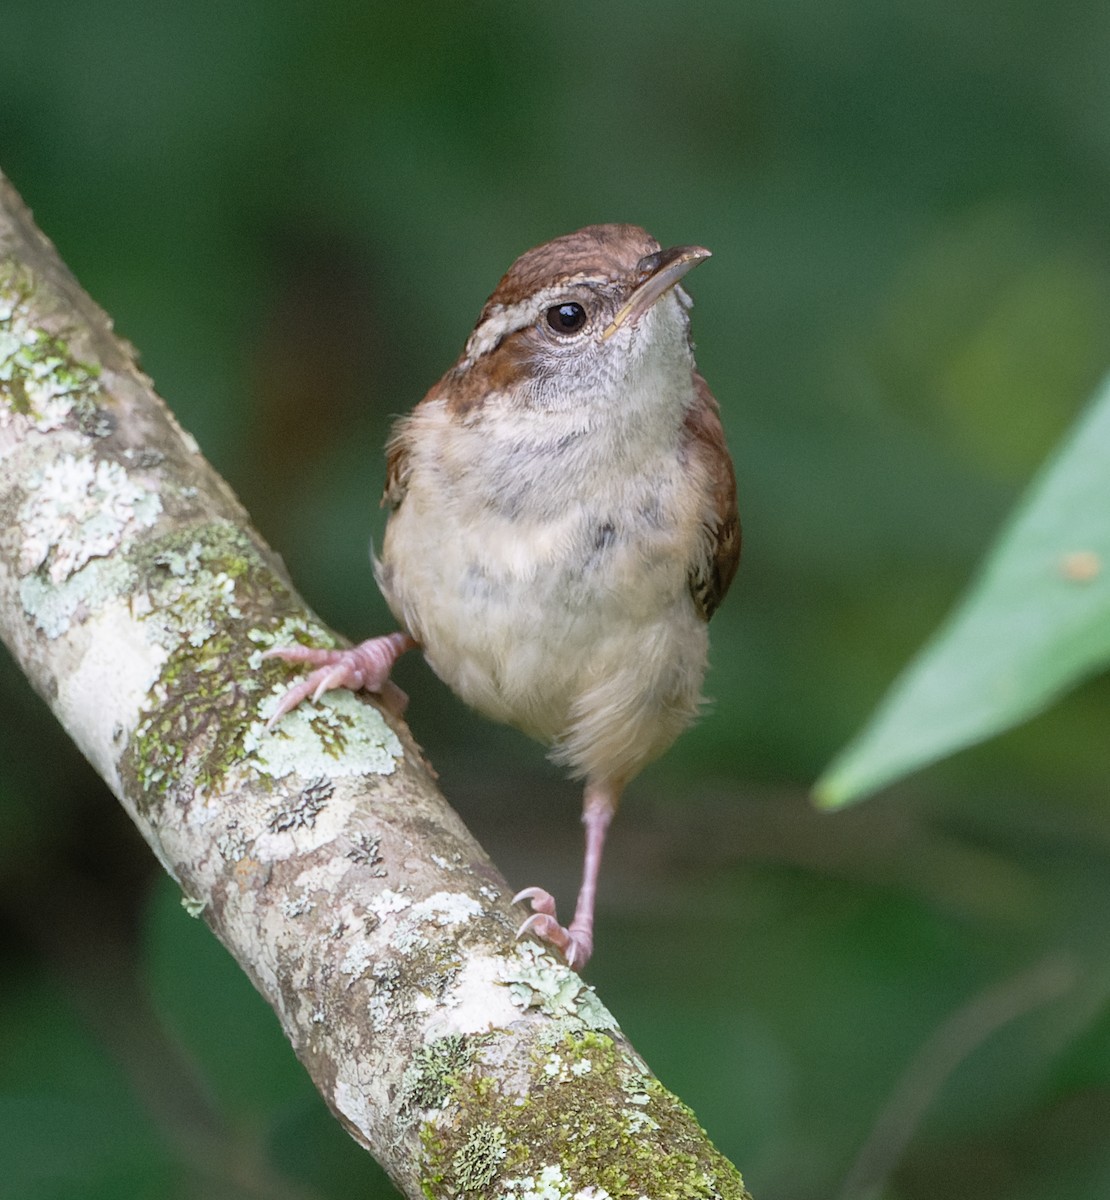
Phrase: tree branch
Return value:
(137, 599)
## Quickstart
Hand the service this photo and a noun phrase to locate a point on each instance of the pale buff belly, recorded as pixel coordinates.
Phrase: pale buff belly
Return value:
(581, 634)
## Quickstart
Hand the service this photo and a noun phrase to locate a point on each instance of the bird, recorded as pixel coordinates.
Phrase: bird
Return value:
(562, 525)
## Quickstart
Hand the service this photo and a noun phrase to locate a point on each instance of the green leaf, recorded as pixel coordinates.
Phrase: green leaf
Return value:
(1035, 623)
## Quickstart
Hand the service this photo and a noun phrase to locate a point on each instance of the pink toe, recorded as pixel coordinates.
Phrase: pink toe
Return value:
(539, 924)
(542, 901)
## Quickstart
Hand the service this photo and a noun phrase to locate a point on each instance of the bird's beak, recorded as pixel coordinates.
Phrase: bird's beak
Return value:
(664, 269)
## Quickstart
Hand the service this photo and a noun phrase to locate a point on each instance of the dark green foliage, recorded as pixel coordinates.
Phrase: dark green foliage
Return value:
(1035, 623)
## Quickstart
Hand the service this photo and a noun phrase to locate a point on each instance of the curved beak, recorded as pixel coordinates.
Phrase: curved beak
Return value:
(663, 270)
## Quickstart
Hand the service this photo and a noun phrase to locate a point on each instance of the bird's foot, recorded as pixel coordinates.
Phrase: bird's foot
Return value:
(574, 942)
(366, 665)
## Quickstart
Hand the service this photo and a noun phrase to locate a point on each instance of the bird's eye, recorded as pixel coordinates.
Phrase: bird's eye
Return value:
(566, 318)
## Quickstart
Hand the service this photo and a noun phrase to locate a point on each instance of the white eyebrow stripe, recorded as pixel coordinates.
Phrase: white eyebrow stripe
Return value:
(505, 319)
(501, 321)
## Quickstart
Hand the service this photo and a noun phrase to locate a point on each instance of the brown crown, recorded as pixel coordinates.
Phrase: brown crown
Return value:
(603, 251)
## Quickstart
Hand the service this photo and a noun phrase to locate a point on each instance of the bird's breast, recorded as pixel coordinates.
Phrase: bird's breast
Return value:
(530, 568)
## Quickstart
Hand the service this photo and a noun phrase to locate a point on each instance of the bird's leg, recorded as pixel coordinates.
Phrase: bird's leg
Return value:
(366, 665)
(576, 941)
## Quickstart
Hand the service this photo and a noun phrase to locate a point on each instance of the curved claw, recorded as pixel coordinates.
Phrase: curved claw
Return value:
(575, 944)
(542, 901)
(293, 697)
(541, 924)
(330, 678)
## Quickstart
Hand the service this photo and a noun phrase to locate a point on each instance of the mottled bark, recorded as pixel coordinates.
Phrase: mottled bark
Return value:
(138, 600)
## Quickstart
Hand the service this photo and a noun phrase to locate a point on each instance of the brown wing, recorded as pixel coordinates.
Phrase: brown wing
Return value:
(718, 553)
(397, 451)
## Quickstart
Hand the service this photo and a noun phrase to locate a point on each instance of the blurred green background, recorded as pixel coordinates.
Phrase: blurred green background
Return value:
(295, 211)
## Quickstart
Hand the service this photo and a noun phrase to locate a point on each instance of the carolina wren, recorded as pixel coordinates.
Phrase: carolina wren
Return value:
(562, 525)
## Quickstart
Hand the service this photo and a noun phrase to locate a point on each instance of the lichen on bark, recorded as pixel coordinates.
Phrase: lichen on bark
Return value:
(41, 382)
(586, 1123)
(319, 850)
